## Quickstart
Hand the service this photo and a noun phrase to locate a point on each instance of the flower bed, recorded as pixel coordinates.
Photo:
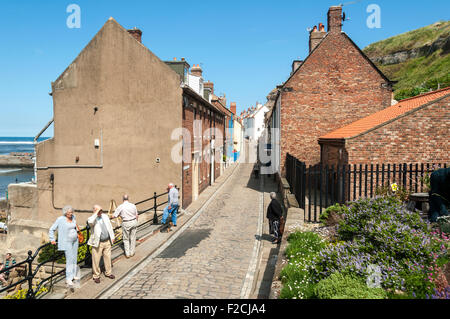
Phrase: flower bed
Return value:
(380, 250)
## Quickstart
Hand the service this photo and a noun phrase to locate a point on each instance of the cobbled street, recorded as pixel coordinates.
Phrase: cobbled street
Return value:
(211, 258)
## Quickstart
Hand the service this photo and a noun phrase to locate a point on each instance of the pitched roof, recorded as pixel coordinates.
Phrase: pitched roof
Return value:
(387, 115)
(351, 42)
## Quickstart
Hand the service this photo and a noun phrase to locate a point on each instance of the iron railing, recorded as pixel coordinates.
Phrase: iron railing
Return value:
(25, 267)
(320, 186)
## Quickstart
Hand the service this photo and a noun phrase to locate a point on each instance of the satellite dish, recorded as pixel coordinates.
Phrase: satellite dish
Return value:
(309, 29)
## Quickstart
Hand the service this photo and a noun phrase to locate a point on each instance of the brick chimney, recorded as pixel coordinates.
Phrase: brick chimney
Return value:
(335, 19)
(136, 33)
(196, 70)
(316, 36)
(209, 85)
(233, 107)
(295, 65)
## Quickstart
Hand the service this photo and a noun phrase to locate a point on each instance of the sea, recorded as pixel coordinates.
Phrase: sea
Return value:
(15, 175)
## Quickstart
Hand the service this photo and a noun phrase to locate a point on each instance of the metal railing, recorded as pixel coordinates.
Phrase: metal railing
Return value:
(25, 268)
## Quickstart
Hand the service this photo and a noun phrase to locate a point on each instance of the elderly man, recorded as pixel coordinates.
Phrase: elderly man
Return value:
(172, 207)
(274, 214)
(101, 240)
(129, 214)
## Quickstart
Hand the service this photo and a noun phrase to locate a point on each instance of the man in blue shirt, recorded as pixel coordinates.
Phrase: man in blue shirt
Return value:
(172, 207)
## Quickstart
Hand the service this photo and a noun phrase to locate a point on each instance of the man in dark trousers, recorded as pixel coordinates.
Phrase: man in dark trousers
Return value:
(274, 213)
(439, 193)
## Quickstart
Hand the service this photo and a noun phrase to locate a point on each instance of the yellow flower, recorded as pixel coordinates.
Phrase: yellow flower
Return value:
(394, 187)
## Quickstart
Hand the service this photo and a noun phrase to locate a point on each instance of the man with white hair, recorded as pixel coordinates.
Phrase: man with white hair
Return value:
(274, 214)
(172, 207)
(101, 240)
(129, 214)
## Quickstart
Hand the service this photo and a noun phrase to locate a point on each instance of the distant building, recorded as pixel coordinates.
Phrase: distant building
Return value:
(415, 130)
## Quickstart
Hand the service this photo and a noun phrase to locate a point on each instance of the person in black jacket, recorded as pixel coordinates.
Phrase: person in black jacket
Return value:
(439, 194)
(274, 213)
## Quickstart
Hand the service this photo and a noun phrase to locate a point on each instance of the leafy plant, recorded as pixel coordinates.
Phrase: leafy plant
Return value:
(393, 189)
(296, 275)
(50, 252)
(344, 286)
(22, 293)
(332, 214)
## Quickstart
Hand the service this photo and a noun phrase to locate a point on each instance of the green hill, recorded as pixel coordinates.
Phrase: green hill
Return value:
(419, 60)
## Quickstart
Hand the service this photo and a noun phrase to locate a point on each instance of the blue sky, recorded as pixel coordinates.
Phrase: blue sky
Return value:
(245, 47)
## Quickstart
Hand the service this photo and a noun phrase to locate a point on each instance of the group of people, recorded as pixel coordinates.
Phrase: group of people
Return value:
(102, 235)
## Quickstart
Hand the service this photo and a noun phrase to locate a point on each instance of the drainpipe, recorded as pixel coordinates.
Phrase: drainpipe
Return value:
(35, 143)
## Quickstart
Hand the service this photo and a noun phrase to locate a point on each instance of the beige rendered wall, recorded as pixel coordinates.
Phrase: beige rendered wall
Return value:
(139, 103)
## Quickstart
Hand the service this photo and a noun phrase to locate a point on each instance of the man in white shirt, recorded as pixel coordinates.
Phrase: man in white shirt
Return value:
(129, 214)
(101, 239)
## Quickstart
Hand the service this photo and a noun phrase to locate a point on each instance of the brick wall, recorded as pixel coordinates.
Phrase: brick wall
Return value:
(336, 85)
(421, 136)
(197, 110)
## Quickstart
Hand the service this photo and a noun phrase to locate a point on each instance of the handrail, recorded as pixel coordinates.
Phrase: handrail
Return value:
(28, 262)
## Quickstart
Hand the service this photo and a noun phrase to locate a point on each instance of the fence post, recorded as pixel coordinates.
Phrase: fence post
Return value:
(30, 292)
(88, 258)
(155, 216)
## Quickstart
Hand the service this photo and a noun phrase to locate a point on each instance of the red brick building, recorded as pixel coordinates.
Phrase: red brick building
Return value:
(414, 130)
(201, 162)
(335, 85)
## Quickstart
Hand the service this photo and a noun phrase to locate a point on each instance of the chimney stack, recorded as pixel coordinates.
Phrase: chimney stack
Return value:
(316, 36)
(295, 65)
(196, 70)
(136, 33)
(233, 107)
(335, 19)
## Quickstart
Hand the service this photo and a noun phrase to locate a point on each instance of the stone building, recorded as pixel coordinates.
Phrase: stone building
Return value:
(119, 114)
(334, 86)
(416, 130)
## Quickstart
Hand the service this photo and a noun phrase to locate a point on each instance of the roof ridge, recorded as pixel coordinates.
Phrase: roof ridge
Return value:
(424, 94)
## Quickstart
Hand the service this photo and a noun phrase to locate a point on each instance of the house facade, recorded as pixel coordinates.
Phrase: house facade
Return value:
(335, 85)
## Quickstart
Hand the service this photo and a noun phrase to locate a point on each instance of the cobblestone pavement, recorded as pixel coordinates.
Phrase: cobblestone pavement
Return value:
(211, 258)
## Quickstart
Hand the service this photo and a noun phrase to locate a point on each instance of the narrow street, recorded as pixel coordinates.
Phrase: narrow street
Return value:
(216, 255)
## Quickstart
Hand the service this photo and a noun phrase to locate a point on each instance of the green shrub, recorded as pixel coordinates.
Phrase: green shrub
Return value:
(332, 212)
(296, 275)
(304, 245)
(342, 286)
(50, 252)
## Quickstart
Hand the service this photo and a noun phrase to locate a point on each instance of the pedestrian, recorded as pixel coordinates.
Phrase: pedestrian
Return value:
(129, 214)
(9, 261)
(66, 226)
(274, 214)
(2, 275)
(172, 207)
(101, 240)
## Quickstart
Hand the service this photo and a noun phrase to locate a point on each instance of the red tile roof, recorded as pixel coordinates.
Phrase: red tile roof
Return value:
(390, 113)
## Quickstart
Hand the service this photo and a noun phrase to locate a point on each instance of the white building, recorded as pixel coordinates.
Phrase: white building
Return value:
(254, 122)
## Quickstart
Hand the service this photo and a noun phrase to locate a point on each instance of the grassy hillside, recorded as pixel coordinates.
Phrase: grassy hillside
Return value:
(420, 74)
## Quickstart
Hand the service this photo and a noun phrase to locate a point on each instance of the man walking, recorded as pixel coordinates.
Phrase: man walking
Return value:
(172, 207)
(101, 240)
(274, 213)
(129, 214)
